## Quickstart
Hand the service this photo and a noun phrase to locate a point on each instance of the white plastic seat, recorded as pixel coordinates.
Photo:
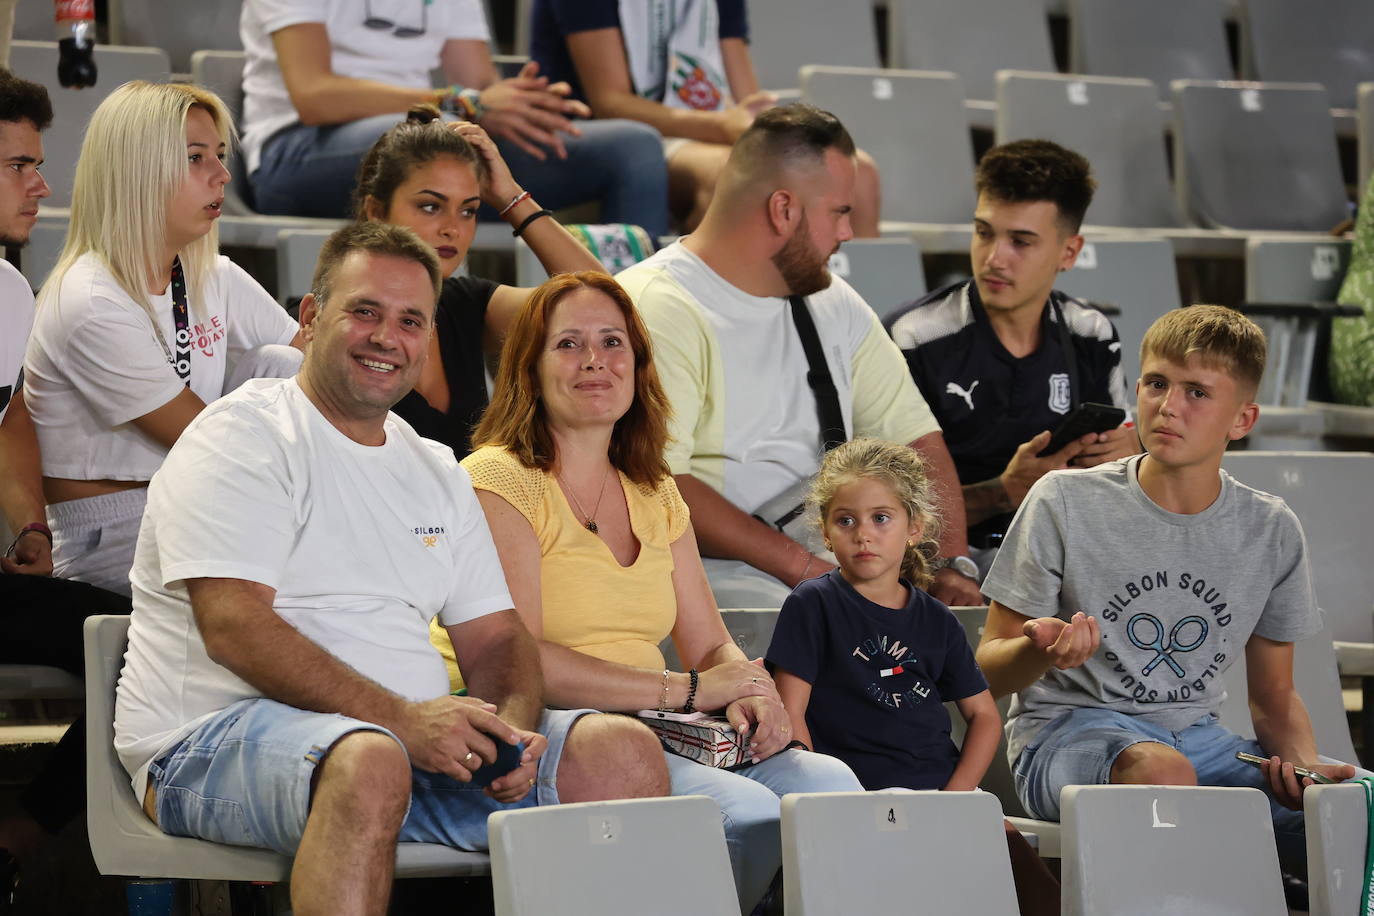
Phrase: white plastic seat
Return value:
(885, 272)
(1169, 851)
(1160, 41)
(1337, 820)
(1321, 41)
(180, 29)
(789, 34)
(123, 840)
(620, 858)
(882, 852)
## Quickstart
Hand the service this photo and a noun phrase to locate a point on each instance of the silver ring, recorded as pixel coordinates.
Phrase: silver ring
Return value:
(753, 680)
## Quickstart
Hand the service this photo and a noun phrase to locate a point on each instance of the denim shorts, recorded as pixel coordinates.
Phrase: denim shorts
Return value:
(243, 778)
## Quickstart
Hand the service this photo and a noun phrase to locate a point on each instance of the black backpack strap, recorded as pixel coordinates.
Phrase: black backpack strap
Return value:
(818, 376)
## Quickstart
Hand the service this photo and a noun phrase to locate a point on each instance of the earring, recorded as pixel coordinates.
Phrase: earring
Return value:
(910, 542)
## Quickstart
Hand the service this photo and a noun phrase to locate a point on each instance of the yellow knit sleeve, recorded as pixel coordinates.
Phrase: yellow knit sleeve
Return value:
(673, 507)
(496, 470)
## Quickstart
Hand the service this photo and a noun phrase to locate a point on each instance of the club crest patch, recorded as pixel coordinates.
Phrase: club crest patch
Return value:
(1059, 392)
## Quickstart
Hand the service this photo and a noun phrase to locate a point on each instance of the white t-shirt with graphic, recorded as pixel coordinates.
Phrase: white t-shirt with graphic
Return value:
(362, 545)
(16, 318)
(744, 419)
(1177, 596)
(94, 363)
(355, 50)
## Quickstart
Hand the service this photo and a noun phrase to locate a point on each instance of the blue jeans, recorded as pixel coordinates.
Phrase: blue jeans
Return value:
(749, 805)
(311, 171)
(243, 778)
(1079, 748)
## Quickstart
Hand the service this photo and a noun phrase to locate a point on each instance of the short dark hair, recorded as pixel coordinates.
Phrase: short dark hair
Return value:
(789, 134)
(372, 237)
(1033, 170)
(422, 137)
(21, 100)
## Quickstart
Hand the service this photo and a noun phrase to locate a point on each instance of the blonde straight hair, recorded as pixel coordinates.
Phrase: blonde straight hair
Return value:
(132, 163)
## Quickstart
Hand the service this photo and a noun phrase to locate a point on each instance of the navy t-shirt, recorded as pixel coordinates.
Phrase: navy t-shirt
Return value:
(879, 678)
(551, 21)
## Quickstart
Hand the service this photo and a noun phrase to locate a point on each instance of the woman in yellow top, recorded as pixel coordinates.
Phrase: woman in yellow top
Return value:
(601, 560)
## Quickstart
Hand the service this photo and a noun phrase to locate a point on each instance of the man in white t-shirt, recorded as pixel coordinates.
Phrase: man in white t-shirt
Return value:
(40, 616)
(746, 429)
(325, 78)
(297, 542)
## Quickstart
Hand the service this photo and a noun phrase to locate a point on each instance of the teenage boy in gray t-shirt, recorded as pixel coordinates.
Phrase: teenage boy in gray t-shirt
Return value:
(1123, 593)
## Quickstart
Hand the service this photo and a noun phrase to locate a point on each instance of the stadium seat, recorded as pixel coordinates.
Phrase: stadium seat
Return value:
(878, 852)
(750, 628)
(1136, 275)
(123, 840)
(38, 682)
(1295, 270)
(927, 164)
(1159, 41)
(789, 34)
(297, 252)
(1116, 123)
(973, 38)
(1231, 139)
(37, 61)
(1322, 41)
(180, 29)
(619, 858)
(1337, 820)
(1151, 850)
(885, 272)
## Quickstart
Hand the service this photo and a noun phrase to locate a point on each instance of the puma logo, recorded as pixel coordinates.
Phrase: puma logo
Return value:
(967, 395)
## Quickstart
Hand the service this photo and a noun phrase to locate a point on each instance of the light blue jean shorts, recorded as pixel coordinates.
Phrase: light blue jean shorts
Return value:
(243, 778)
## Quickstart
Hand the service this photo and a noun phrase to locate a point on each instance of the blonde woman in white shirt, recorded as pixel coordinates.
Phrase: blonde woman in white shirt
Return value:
(141, 322)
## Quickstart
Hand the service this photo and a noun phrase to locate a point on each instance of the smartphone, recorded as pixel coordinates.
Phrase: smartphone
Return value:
(1083, 419)
(668, 716)
(507, 758)
(1300, 772)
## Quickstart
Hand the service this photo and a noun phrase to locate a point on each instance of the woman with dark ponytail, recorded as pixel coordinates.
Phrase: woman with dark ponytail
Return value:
(431, 176)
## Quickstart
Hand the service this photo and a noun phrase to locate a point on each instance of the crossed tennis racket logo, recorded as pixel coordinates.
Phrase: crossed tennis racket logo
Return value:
(1166, 649)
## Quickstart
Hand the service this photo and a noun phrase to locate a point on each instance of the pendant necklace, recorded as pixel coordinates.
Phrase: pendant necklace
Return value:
(590, 523)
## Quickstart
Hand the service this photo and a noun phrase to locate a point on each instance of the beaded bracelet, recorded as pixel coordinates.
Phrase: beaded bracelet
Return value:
(663, 700)
(690, 705)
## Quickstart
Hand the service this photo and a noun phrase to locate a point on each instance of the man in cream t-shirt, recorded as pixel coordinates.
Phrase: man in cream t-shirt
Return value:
(280, 689)
(745, 426)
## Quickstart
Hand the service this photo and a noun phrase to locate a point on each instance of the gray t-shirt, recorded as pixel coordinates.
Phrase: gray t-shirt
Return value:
(1177, 596)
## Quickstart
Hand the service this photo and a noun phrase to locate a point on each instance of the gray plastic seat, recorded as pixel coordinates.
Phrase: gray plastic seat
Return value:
(878, 852)
(885, 272)
(1115, 123)
(180, 29)
(618, 858)
(1337, 821)
(1138, 276)
(39, 682)
(1160, 41)
(789, 34)
(750, 628)
(1319, 41)
(123, 840)
(1169, 851)
(1257, 156)
(927, 164)
(973, 38)
(72, 109)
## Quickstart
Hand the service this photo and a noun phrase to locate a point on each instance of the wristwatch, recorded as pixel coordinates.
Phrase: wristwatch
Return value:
(962, 565)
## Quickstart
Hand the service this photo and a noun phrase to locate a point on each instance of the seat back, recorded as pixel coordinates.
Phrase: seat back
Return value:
(927, 165)
(1320, 41)
(1337, 820)
(180, 29)
(1137, 850)
(1231, 138)
(297, 252)
(37, 61)
(1138, 276)
(123, 840)
(1328, 491)
(38, 682)
(750, 628)
(222, 73)
(1115, 123)
(1160, 41)
(619, 858)
(885, 272)
(1295, 270)
(789, 34)
(973, 38)
(876, 852)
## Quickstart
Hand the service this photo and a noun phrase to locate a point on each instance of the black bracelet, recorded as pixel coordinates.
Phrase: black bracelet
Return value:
(690, 705)
(529, 219)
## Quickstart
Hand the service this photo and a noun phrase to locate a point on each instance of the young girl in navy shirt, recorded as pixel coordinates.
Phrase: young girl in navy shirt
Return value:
(864, 660)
